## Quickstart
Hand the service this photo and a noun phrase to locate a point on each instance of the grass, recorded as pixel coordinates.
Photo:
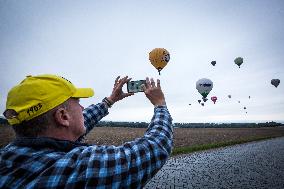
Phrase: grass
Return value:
(195, 148)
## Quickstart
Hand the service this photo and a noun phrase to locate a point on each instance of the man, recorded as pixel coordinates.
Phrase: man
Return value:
(49, 122)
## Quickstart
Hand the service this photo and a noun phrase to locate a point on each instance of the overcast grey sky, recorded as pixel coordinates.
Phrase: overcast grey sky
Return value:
(92, 42)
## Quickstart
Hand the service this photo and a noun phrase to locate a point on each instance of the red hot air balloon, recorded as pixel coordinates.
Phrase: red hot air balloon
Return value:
(214, 99)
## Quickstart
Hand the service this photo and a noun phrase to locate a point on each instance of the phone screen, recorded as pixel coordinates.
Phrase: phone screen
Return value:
(135, 86)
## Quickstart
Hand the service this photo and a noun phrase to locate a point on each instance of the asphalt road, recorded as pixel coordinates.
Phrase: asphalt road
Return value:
(252, 165)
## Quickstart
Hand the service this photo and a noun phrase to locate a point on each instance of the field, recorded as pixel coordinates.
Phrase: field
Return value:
(183, 137)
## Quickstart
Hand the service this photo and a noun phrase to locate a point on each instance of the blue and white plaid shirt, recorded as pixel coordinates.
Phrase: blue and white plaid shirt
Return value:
(52, 163)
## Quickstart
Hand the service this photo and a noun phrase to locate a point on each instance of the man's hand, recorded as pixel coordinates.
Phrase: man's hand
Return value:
(154, 93)
(117, 93)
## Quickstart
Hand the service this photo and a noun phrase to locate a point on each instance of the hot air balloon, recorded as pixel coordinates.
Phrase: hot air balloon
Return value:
(204, 86)
(229, 96)
(204, 99)
(202, 104)
(213, 63)
(189, 104)
(199, 101)
(249, 97)
(214, 99)
(239, 101)
(245, 108)
(275, 82)
(159, 57)
(239, 61)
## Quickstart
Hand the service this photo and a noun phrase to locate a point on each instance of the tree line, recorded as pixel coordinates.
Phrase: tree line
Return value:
(191, 125)
(3, 121)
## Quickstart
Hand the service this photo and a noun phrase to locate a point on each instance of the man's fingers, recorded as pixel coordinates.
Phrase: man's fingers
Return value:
(147, 82)
(120, 82)
(128, 80)
(124, 80)
(116, 80)
(158, 83)
(153, 82)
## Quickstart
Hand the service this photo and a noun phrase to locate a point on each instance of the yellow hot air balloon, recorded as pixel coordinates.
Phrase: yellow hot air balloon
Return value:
(159, 57)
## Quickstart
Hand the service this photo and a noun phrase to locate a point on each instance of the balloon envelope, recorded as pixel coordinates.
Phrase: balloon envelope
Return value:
(213, 63)
(159, 57)
(229, 96)
(275, 82)
(239, 61)
(214, 99)
(199, 101)
(204, 86)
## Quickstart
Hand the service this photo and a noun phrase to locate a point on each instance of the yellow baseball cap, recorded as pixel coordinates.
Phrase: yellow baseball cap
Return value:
(36, 95)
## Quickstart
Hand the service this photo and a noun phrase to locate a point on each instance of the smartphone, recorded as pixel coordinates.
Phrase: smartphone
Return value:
(135, 86)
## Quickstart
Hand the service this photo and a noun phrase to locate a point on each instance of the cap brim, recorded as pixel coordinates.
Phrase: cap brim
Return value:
(83, 93)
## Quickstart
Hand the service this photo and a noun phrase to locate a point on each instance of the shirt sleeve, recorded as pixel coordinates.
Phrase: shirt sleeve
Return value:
(134, 163)
(92, 115)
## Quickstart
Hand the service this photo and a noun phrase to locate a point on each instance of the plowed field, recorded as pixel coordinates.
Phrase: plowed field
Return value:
(182, 137)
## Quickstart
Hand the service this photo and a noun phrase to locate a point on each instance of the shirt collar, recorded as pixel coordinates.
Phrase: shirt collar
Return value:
(46, 142)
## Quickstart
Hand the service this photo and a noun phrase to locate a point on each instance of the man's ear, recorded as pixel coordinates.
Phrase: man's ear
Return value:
(62, 117)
